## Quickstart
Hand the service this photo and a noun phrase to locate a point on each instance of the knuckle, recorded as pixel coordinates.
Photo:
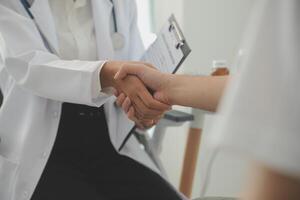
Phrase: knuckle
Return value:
(128, 102)
(132, 118)
(138, 115)
(118, 100)
(151, 104)
(142, 115)
(131, 96)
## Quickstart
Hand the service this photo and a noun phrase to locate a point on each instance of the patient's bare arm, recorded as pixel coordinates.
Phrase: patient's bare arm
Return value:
(203, 92)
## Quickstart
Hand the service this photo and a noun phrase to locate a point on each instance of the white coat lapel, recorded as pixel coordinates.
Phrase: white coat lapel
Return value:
(43, 17)
(102, 10)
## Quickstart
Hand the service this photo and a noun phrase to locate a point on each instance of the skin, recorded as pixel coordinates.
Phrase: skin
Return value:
(205, 93)
(147, 109)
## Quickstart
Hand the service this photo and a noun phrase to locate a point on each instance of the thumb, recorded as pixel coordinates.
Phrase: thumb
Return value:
(127, 70)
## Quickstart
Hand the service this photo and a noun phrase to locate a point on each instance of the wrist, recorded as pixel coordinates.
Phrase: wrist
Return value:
(170, 88)
(107, 73)
(176, 89)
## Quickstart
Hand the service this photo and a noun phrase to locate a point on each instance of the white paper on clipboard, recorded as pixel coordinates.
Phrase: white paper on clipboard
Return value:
(169, 49)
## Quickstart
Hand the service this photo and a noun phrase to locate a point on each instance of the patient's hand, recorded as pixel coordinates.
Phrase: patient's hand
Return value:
(152, 78)
(138, 103)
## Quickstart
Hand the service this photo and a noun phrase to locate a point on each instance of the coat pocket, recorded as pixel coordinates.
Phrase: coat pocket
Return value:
(8, 170)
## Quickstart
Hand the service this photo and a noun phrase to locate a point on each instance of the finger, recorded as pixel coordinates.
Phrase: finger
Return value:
(147, 123)
(120, 99)
(139, 114)
(139, 125)
(155, 121)
(152, 103)
(126, 70)
(131, 114)
(143, 63)
(126, 104)
(135, 102)
(150, 65)
(158, 117)
(143, 112)
(116, 93)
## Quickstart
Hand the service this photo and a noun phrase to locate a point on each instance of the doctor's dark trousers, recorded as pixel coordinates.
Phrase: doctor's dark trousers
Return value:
(84, 165)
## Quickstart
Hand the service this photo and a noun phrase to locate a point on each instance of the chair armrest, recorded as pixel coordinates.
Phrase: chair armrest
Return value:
(178, 116)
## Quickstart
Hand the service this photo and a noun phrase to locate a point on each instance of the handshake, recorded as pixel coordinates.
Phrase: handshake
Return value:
(141, 91)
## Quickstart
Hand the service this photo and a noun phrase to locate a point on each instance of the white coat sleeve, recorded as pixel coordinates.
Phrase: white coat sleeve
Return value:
(42, 73)
(260, 114)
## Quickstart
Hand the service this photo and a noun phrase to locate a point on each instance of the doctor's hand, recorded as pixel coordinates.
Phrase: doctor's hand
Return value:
(144, 110)
(155, 80)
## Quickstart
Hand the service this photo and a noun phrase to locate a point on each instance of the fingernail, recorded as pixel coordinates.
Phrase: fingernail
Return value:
(116, 75)
(116, 93)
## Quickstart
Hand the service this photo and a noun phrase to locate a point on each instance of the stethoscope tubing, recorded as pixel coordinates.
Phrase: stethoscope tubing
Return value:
(114, 16)
(27, 6)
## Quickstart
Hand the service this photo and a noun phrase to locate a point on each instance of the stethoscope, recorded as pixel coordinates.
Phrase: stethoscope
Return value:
(118, 39)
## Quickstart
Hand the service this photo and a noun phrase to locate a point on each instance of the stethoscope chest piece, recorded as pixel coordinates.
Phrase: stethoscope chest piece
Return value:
(118, 40)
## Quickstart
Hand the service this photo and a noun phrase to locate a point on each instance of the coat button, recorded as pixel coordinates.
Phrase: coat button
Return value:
(55, 114)
(44, 155)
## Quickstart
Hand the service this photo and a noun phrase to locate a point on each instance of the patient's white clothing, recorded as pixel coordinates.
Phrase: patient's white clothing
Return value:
(260, 114)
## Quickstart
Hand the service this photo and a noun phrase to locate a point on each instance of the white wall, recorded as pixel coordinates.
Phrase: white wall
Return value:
(164, 8)
(213, 29)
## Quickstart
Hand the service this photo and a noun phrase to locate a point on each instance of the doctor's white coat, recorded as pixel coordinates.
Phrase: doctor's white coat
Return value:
(34, 89)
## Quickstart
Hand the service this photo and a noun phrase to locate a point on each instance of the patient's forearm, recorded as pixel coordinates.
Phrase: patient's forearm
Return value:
(203, 92)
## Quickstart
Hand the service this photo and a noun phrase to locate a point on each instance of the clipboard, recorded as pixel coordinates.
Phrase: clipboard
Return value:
(170, 48)
(167, 53)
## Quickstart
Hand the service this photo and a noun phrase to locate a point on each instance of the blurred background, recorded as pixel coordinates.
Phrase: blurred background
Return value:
(214, 30)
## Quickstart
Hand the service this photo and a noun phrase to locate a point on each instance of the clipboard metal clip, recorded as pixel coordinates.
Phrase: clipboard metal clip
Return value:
(174, 27)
